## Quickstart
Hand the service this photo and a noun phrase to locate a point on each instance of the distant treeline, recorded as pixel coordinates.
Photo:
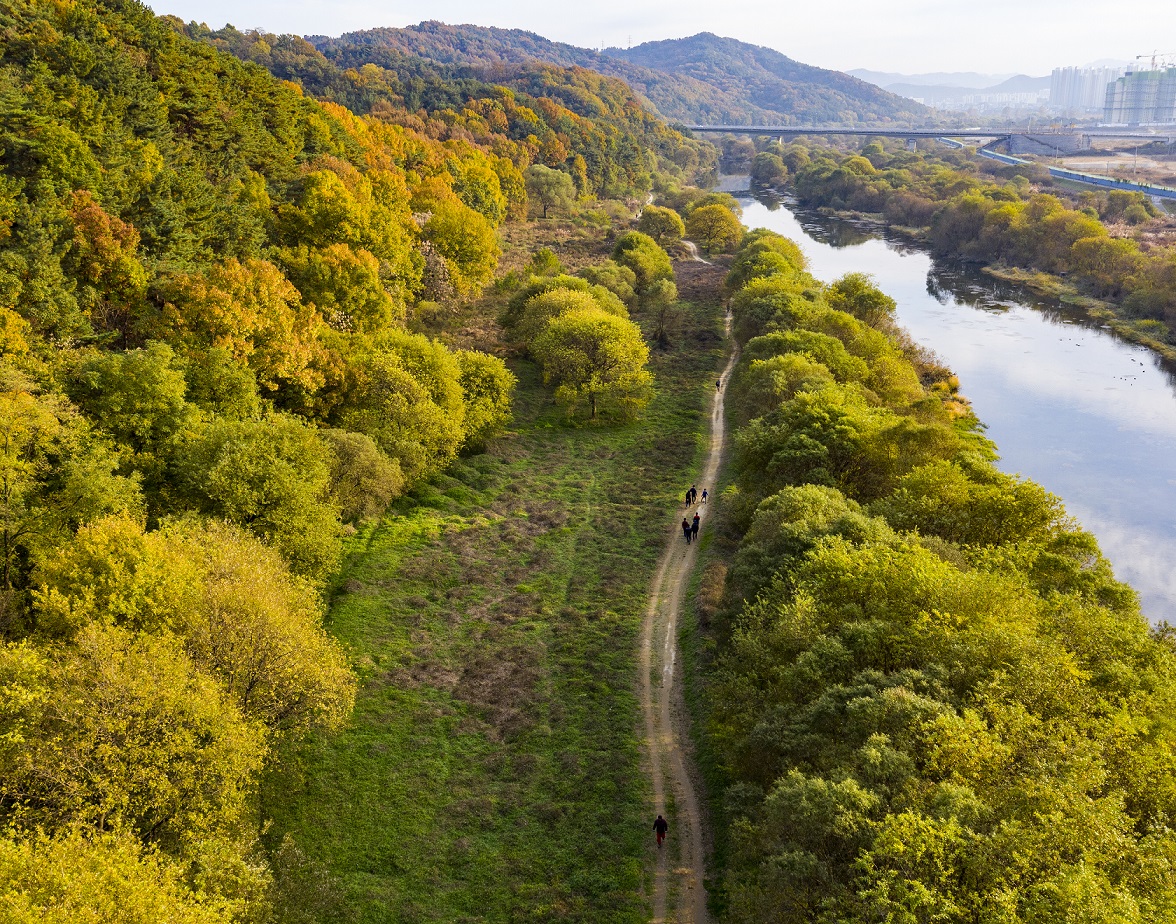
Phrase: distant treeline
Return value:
(994, 214)
(931, 699)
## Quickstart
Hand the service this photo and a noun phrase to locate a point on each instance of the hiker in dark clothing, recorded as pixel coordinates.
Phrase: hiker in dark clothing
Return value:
(687, 497)
(694, 527)
(718, 384)
(686, 528)
(661, 827)
(704, 495)
(693, 494)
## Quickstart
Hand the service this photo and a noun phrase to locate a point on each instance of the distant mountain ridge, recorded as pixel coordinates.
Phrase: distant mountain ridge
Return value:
(951, 89)
(967, 79)
(705, 79)
(951, 96)
(770, 81)
(1021, 83)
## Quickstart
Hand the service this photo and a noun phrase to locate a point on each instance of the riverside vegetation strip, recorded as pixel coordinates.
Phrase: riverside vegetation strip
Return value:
(492, 770)
(924, 695)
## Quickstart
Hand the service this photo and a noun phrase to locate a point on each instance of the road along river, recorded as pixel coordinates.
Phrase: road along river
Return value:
(1086, 415)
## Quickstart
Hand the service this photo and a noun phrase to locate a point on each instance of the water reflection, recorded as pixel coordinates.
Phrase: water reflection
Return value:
(1071, 406)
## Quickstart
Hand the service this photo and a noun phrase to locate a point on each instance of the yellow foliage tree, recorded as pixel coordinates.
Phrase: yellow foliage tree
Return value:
(121, 730)
(714, 227)
(99, 879)
(467, 241)
(242, 616)
(250, 309)
(597, 357)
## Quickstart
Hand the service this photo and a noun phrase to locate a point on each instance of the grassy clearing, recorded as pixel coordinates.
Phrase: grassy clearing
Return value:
(492, 770)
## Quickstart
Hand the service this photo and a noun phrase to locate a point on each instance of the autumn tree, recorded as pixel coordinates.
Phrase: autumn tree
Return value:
(661, 303)
(55, 474)
(467, 242)
(364, 481)
(487, 387)
(104, 259)
(550, 188)
(183, 757)
(406, 395)
(346, 286)
(768, 169)
(239, 613)
(856, 294)
(641, 254)
(106, 877)
(138, 396)
(273, 477)
(620, 280)
(662, 224)
(541, 309)
(250, 309)
(714, 227)
(595, 357)
(1108, 264)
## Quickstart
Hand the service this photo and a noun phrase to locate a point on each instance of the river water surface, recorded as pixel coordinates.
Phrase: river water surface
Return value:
(1069, 405)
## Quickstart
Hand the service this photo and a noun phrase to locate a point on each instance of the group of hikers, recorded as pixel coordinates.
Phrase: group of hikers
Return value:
(690, 527)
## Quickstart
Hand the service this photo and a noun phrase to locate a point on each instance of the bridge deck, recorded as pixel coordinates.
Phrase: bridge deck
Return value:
(925, 133)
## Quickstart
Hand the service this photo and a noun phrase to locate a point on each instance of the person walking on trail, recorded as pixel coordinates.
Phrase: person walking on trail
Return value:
(661, 827)
(694, 527)
(686, 529)
(718, 385)
(687, 497)
(704, 495)
(693, 493)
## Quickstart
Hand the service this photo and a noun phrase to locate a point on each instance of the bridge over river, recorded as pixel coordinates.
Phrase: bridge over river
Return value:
(1166, 135)
(1020, 141)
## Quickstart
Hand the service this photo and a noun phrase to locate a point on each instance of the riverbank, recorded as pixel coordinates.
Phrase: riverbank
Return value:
(1103, 312)
(1098, 310)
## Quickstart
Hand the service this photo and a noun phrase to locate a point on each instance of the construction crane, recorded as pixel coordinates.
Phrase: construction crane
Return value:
(1165, 58)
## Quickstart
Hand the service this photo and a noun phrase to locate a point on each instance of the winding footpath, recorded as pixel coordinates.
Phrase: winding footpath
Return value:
(681, 864)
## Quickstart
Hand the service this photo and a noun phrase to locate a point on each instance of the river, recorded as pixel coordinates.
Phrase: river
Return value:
(1088, 416)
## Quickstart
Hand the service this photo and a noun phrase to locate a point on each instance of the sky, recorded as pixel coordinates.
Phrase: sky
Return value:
(903, 36)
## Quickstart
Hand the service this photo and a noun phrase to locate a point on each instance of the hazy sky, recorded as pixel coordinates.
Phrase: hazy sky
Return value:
(907, 36)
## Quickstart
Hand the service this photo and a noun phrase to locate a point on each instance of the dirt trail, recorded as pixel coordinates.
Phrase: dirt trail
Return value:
(692, 249)
(681, 864)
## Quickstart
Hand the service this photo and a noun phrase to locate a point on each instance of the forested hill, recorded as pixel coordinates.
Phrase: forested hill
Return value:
(705, 78)
(771, 87)
(569, 118)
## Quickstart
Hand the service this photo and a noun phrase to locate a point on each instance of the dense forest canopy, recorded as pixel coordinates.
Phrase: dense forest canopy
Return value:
(568, 118)
(763, 86)
(207, 283)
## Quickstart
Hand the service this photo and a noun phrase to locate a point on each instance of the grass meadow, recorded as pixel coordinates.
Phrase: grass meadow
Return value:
(492, 770)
